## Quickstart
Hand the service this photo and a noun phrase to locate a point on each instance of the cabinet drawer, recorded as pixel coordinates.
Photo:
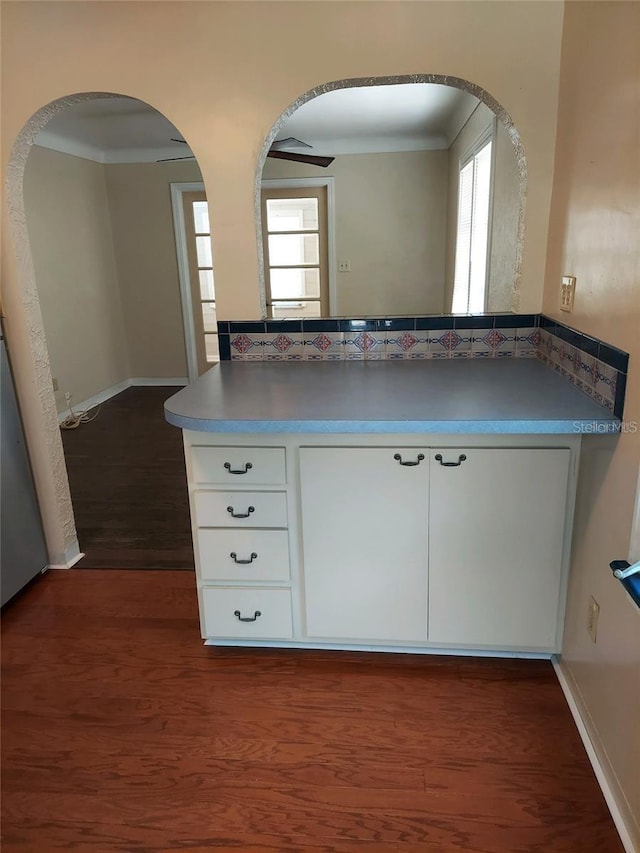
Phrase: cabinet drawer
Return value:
(256, 509)
(239, 466)
(270, 610)
(263, 555)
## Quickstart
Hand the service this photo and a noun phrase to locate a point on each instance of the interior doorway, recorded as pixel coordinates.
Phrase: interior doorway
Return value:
(98, 213)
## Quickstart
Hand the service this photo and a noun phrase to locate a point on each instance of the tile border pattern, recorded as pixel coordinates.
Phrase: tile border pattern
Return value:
(595, 367)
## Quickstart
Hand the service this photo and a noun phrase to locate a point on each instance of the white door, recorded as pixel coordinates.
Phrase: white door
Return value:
(496, 533)
(200, 261)
(295, 242)
(364, 525)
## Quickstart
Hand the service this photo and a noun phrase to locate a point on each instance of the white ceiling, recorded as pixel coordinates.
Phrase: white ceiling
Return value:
(406, 117)
(112, 130)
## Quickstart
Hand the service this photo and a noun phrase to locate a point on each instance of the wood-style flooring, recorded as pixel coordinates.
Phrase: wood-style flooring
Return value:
(122, 732)
(128, 485)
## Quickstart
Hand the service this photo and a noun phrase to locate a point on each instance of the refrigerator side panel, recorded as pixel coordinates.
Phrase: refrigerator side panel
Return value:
(23, 552)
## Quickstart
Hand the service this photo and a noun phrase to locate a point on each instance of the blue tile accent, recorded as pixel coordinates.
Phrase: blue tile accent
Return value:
(436, 323)
(399, 324)
(225, 348)
(590, 345)
(621, 385)
(547, 323)
(479, 321)
(321, 325)
(569, 335)
(614, 357)
(284, 325)
(243, 326)
(514, 321)
(357, 326)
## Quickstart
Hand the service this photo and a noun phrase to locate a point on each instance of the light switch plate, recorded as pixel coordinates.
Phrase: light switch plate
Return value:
(567, 293)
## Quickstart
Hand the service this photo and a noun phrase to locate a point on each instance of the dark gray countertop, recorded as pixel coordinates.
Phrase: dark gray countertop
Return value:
(443, 396)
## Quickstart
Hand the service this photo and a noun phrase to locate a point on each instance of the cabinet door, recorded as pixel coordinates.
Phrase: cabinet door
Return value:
(364, 520)
(496, 533)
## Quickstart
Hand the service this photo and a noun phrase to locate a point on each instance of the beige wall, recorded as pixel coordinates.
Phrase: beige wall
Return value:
(240, 65)
(145, 253)
(72, 247)
(104, 253)
(506, 210)
(390, 213)
(594, 235)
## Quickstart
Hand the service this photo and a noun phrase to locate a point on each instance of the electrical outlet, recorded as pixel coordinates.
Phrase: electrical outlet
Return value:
(55, 384)
(593, 613)
(67, 396)
(567, 293)
(344, 266)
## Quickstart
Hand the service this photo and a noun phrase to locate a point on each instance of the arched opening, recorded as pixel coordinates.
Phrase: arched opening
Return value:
(399, 146)
(89, 189)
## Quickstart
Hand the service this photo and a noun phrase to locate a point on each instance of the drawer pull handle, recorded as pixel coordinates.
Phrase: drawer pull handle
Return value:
(247, 467)
(398, 458)
(240, 618)
(240, 514)
(462, 458)
(235, 559)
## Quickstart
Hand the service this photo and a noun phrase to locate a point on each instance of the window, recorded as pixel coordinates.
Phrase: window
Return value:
(294, 223)
(472, 238)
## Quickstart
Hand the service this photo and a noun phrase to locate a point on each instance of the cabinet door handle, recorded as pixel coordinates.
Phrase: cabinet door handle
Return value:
(235, 559)
(398, 458)
(462, 458)
(240, 514)
(247, 467)
(240, 618)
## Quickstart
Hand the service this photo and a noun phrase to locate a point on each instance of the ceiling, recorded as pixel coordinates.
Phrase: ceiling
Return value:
(405, 117)
(112, 130)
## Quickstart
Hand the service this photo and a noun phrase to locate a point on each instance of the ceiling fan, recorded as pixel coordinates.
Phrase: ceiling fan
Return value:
(279, 151)
(169, 159)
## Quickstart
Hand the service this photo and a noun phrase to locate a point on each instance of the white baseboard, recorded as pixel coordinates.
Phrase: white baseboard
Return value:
(614, 795)
(152, 381)
(70, 557)
(108, 393)
(101, 397)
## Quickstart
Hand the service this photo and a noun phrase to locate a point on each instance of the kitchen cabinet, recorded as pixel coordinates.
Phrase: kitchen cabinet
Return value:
(241, 541)
(496, 535)
(393, 542)
(364, 529)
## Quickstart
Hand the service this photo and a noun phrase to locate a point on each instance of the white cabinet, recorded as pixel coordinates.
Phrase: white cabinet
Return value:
(364, 527)
(388, 542)
(496, 535)
(241, 541)
(241, 555)
(247, 612)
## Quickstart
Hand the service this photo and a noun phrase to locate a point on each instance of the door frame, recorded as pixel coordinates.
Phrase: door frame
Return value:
(328, 182)
(179, 230)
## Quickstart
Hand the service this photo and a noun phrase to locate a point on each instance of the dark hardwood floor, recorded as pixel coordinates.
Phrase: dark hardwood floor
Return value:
(128, 485)
(121, 732)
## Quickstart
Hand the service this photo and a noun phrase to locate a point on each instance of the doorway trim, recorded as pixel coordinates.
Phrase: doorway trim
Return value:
(329, 183)
(177, 191)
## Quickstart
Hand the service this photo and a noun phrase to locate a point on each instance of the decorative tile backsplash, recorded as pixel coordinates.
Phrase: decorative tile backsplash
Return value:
(488, 336)
(595, 367)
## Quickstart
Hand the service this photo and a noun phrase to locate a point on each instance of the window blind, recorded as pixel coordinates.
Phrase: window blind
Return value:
(472, 236)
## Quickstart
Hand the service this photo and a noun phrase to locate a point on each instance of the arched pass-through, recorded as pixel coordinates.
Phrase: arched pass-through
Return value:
(31, 356)
(358, 82)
